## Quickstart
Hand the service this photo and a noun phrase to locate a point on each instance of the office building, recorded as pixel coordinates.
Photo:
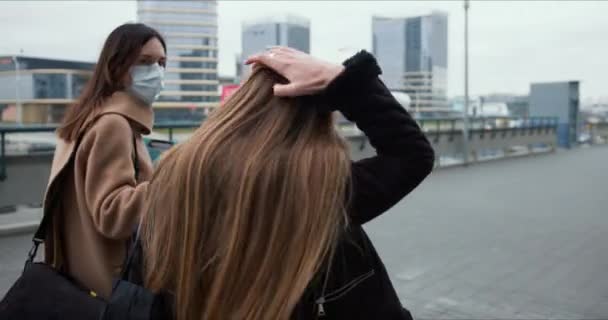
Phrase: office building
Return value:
(412, 53)
(38, 90)
(561, 100)
(284, 30)
(191, 78)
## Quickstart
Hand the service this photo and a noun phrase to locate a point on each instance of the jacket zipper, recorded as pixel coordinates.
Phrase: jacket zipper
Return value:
(340, 292)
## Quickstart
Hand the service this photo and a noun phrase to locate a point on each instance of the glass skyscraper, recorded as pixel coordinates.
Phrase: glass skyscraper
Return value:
(413, 55)
(288, 30)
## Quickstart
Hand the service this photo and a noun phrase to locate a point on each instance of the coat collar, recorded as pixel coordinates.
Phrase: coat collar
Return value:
(130, 107)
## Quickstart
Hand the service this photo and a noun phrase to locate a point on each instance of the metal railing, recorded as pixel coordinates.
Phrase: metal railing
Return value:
(486, 123)
(429, 125)
(482, 125)
(447, 124)
(170, 126)
(41, 128)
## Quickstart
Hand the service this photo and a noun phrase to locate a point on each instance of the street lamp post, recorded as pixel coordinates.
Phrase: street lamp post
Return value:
(465, 127)
(19, 110)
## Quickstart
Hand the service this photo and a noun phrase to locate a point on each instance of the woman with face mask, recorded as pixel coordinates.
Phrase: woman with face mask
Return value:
(100, 169)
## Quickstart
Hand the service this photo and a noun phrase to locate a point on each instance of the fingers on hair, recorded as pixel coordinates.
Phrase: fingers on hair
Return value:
(284, 90)
(262, 59)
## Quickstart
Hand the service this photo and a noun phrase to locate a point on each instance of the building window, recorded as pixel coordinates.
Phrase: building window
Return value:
(209, 30)
(198, 87)
(173, 41)
(50, 86)
(79, 81)
(198, 76)
(192, 64)
(413, 43)
(193, 99)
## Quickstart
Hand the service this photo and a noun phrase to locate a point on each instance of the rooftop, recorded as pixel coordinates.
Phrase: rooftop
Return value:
(7, 63)
(287, 18)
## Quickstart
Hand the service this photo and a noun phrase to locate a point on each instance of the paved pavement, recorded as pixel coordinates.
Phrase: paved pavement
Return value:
(514, 239)
(23, 220)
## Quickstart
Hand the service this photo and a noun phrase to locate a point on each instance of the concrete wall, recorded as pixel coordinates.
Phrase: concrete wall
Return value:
(26, 179)
(27, 176)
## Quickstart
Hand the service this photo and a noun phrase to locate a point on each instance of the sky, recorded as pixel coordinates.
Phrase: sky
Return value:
(512, 43)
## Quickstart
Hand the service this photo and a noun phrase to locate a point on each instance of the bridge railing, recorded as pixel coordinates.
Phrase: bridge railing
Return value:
(435, 128)
(24, 171)
(486, 123)
(42, 128)
(23, 175)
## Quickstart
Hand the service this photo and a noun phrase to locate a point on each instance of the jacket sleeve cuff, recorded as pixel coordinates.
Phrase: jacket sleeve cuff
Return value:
(360, 70)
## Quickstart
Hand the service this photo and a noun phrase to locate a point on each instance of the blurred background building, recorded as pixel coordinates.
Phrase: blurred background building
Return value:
(559, 99)
(38, 90)
(412, 53)
(280, 30)
(191, 79)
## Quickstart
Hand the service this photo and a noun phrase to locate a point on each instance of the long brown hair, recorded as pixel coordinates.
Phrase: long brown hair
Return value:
(120, 52)
(243, 215)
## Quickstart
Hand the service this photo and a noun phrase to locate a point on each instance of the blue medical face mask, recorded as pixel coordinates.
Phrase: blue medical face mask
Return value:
(147, 82)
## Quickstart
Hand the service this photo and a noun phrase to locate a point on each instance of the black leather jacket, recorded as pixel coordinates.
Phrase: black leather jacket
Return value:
(358, 285)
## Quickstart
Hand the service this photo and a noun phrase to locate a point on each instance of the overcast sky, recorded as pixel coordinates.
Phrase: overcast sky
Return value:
(512, 43)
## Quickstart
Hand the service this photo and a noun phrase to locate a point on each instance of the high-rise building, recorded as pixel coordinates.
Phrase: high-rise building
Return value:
(287, 30)
(412, 53)
(191, 78)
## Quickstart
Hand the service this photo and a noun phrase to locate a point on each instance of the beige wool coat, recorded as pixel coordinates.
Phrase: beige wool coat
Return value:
(93, 196)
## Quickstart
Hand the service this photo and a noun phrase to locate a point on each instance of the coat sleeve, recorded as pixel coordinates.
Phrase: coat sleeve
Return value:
(404, 157)
(112, 195)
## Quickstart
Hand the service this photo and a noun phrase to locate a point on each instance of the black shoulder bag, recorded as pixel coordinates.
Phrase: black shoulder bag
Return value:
(44, 293)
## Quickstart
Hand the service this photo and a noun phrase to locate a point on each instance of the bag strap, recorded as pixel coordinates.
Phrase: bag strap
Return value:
(135, 159)
(132, 251)
(131, 248)
(41, 231)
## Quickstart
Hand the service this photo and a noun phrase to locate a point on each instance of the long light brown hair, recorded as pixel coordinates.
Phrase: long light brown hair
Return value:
(243, 215)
